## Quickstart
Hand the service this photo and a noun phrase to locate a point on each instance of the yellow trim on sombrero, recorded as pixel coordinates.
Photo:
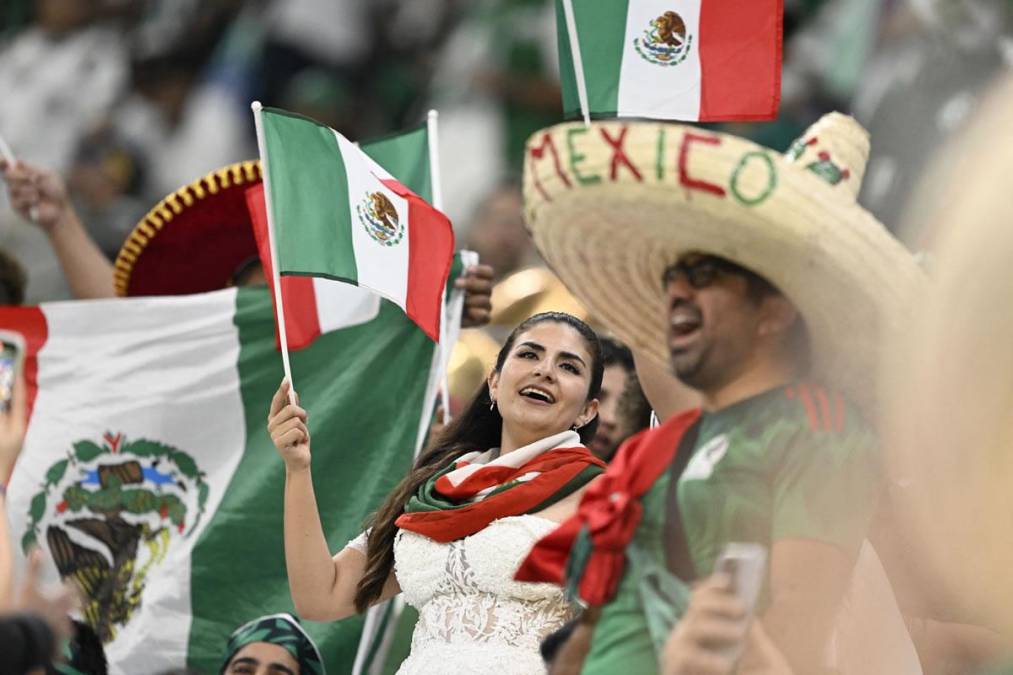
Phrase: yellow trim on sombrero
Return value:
(164, 211)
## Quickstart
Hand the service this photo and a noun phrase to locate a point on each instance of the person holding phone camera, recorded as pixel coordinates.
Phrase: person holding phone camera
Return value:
(765, 287)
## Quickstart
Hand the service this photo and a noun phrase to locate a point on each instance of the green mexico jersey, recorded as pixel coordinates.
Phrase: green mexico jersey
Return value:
(796, 462)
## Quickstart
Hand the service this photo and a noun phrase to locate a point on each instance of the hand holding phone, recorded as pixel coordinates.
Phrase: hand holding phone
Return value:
(745, 565)
(12, 401)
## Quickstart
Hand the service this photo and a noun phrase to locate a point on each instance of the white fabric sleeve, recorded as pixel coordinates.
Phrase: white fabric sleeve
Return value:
(360, 543)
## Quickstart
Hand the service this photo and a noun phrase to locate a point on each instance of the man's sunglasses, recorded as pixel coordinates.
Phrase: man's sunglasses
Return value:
(702, 271)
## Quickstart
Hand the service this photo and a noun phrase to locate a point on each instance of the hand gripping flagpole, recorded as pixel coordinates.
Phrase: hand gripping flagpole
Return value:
(432, 136)
(578, 62)
(282, 334)
(8, 155)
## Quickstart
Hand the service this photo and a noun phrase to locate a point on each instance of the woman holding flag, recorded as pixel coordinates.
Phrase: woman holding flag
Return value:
(452, 533)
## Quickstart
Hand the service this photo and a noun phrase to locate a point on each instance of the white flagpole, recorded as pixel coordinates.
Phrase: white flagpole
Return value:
(5, 151)
(262, 147)
(8, 155)
(578, 62)
(432, 135)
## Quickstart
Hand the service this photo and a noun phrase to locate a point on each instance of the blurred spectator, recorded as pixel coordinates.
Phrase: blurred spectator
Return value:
(67, 71)
(31, 636)
(495, 83)
(926, 78)
(316, 93)
(622, 408)
(182, 125)
(12, 280)
(42, 193)
(497, 231)
(330, 34)
(273, 645)
(105, 182)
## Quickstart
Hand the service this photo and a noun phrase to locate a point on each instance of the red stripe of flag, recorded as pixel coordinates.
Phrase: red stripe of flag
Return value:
(740, 59)
(430, 254)
(301, 322)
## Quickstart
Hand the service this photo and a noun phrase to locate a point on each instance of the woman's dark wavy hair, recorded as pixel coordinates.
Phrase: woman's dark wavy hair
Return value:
(477, 428)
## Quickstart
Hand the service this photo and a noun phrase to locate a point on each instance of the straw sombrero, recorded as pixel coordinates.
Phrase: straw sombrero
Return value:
(528, 292)
(193, 240)
(611, 205)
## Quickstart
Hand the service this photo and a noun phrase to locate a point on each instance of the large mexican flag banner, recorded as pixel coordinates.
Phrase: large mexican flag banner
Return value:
(149, 475)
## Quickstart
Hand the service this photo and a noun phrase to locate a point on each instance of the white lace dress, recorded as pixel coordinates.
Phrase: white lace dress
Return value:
(473, 617)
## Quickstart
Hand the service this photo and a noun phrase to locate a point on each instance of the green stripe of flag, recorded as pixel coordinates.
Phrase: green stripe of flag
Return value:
(406, 157)
(602, 55)
(363, 438)
(309, 195)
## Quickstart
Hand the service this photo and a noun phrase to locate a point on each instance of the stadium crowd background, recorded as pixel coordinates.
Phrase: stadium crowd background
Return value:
(129, 99)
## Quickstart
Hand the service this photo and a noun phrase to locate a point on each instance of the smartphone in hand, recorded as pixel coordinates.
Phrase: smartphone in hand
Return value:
(12, 350)
(746, 567)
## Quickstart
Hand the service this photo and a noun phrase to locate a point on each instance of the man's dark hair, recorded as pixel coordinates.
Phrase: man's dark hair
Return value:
(615, 353)
(758, 288)
(634, 407)
(12, 280)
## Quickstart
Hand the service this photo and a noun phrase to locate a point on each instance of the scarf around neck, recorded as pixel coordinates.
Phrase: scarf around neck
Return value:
(586, 554)
(480, 487)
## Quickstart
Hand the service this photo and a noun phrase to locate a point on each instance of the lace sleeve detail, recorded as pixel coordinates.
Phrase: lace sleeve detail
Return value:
(360, 543)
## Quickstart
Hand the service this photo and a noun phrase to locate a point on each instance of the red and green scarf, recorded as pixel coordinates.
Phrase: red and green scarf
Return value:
(482, 486)
(587, 553)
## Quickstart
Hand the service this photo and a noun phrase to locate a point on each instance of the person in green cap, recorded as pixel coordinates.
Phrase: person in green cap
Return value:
(271, 645)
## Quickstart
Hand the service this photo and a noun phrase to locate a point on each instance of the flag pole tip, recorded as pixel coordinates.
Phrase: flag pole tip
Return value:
(255, 106)
(432, 114)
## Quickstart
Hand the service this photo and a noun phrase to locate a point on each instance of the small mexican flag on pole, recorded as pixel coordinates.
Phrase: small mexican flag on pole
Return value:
(323, 303)
(693, 60)
(335, 213)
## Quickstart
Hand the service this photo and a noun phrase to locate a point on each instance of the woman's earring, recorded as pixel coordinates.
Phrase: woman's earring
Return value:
(492, 404)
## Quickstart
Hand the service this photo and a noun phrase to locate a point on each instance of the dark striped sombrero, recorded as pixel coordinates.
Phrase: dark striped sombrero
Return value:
(194, 240)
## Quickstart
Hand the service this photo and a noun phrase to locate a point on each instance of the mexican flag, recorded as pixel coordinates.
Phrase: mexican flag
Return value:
(149, 475)
(693, 60)
(316, 305)
(338, 214)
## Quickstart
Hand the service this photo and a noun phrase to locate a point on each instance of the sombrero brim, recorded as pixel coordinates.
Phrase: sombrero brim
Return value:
(193, 240)
(609, 231)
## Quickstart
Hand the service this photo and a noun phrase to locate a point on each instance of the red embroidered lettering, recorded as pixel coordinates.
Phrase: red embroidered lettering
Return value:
(684, 177)
(618, 154)
(536, 153)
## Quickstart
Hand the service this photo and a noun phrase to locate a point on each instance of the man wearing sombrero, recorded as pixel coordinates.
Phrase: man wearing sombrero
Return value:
(764, 286)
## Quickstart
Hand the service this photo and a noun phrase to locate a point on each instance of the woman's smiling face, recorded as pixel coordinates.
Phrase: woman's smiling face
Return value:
(542, 387)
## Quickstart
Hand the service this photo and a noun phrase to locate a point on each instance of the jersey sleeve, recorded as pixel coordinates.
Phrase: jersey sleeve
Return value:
(826, 486)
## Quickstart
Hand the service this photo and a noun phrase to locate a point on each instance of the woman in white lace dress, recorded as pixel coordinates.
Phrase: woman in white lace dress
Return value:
(453, 532)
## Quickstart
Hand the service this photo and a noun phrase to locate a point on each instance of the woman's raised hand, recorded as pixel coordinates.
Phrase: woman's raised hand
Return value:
(287, 425)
